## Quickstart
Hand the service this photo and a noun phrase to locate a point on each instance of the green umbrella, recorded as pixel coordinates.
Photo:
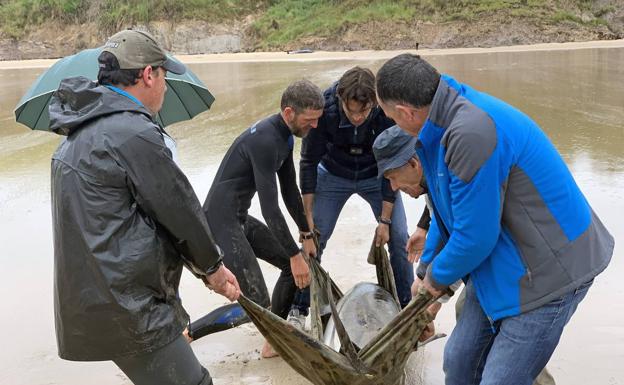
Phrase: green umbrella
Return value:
(186, 95)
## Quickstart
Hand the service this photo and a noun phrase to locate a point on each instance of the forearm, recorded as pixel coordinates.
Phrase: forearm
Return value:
(277, 224)
(174, 204)
(308, 207)
(425, 219)
(293, 202)
(307, 177)
(388, 195)
(386, 210)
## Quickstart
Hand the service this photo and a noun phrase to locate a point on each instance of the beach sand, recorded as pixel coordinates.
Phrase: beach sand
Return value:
(233, 356)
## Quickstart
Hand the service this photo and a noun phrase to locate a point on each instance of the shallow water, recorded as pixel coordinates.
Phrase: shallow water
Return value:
(577, 96)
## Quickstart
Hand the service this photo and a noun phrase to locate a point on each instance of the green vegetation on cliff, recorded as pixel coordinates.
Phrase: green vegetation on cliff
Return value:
(277, 22)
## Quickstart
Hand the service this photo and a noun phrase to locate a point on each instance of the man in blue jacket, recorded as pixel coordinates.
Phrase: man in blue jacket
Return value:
(337, 162)
(507, 217)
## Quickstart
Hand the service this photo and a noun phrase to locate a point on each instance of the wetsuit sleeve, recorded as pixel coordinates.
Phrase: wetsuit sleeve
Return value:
(425, 219)
(290, 193)
(164, 194)
(386, 191)
(313, 147)
(264, 160)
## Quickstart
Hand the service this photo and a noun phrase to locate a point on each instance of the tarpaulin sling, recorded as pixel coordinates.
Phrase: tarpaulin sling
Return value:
(380, 362)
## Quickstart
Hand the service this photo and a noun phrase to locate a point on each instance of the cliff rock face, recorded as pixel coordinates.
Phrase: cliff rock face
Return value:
(197, 37)
(192, 37)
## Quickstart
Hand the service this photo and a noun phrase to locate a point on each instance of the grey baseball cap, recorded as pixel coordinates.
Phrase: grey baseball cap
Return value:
(137, 49)
(393, 148)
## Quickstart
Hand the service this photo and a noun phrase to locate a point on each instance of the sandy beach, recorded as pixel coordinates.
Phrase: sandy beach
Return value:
(347, 55)
(587, 113)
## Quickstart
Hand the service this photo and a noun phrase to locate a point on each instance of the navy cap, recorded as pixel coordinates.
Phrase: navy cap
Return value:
(393, 148)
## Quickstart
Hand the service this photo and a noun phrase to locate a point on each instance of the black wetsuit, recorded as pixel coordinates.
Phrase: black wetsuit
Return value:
(250, 166)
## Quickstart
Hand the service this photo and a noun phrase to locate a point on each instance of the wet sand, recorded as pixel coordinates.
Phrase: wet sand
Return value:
(590, 139)
(347, 55)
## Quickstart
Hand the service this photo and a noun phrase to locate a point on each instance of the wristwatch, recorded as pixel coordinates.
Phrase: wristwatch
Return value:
(383, 220)
(308, 235)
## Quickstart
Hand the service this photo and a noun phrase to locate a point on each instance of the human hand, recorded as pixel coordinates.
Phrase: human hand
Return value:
(415, 286)
(187, 335)
(309, 248)
(429, 330)
(426, 283)
(382, 234)
(416, 245)
(300, 270)
(223, 282)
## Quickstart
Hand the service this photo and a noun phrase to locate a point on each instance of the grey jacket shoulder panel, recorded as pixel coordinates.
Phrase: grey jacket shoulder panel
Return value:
(470, 134)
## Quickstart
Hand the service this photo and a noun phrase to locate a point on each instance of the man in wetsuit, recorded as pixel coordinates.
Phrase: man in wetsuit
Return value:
(251, 165)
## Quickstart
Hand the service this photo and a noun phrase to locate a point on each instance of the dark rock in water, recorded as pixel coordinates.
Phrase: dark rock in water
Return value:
(295, 51)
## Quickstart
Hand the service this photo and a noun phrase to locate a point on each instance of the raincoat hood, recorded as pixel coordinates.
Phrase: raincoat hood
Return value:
(79, 100)
(125, 221)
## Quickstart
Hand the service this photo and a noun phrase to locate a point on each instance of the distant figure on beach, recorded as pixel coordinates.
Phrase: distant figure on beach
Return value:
(125, 220)
(259, 157)
(507, 217)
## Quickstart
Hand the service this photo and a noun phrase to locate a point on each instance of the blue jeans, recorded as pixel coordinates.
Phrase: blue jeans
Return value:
(512, 351)
(332, 192)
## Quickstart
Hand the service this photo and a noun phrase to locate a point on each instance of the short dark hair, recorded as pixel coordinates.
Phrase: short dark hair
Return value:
(357, 84)
(301, 95)
(109, 72)
(407, 79)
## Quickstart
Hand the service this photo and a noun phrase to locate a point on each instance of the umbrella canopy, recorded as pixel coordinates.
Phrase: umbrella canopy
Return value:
(186, 95)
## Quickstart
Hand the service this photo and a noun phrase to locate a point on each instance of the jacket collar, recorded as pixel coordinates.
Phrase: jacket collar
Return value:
(440, 110)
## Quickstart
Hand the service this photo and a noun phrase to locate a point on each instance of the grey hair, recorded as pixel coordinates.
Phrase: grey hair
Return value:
(407, 79)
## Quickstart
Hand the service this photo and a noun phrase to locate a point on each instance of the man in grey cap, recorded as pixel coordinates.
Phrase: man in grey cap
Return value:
(397, 160)
(126, 220)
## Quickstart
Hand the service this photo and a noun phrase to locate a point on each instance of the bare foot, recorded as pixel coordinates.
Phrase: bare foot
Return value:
(186, 335)
(267, 351)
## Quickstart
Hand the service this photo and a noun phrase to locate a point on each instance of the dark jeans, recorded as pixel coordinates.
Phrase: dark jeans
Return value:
(242, 244)
(173, 364)
(512, 351)
(544, 378)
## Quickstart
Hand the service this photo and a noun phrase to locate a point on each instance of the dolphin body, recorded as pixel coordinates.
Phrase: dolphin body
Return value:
(364, 311)
(359, 338)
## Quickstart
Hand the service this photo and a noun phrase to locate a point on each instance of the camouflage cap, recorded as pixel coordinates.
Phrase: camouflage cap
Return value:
(137, 50)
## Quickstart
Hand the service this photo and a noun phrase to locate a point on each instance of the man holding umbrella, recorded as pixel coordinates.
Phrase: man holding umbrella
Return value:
(125, 221)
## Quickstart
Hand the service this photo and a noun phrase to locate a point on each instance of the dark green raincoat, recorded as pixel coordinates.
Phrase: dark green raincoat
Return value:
(124, 217)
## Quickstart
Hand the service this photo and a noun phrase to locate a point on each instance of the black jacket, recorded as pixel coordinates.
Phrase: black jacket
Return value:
(344, 150)
(124, 215)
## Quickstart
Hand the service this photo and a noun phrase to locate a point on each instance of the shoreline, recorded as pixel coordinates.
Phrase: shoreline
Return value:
(344, 55)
